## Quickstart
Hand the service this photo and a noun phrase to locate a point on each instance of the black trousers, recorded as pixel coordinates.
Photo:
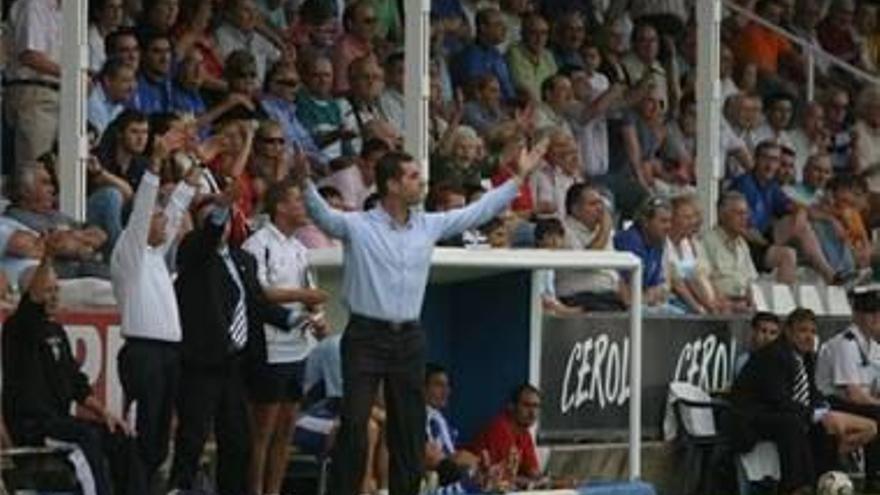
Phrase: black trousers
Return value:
(804, 450)
(113, 457)
(150, 371)
(212, 397)
(374, 352)
(595, 301)
(872, 450)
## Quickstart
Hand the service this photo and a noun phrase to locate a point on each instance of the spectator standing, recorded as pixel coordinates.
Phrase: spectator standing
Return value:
(149, 362)
(32, 95)
(599, 97)
(222, 312)
(275, 375)
(388, 253)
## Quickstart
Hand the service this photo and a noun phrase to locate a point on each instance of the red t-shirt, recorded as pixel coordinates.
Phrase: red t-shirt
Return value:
(498, 438)
(523, 200)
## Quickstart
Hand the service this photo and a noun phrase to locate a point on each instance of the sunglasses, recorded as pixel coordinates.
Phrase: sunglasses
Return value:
(272, 140)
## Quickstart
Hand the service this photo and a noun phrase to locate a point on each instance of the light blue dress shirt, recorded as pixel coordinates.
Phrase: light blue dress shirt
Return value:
(102, 111)
(386, 265)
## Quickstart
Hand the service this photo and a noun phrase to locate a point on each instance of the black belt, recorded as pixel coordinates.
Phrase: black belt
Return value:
(54, 86)
(394, 326)
(152, 342)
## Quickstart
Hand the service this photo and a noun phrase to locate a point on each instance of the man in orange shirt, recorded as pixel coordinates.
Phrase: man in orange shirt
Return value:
(764, 47)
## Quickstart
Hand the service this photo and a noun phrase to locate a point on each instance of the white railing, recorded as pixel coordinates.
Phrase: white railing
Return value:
(811, 50)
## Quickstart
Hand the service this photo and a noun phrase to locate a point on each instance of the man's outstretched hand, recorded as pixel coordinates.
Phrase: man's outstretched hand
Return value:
(530, 159)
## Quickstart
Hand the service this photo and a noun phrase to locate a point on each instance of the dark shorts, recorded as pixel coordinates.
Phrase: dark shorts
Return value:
(282, 382)
(759, 253)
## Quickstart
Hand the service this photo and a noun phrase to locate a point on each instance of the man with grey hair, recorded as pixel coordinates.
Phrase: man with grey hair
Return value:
(732, 270)
(34, 207)
(589, 226)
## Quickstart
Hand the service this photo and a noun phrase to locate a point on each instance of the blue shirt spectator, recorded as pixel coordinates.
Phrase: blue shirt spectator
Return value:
(154, 80)
(766, 200)
(153, 96)
(477, 60)
(101, 109)
(647, 242)
(187, 100)
(111, 94)
(483, 57)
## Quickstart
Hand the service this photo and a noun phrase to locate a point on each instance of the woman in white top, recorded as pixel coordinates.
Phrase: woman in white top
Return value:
(685, 261)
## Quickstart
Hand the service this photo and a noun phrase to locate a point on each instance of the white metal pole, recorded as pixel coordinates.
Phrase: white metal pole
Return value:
(635, 369)
(709, 157)
(73, 142)
(417, 85)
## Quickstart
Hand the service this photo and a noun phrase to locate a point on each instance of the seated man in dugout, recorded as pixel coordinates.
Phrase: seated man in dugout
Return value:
(42, 380)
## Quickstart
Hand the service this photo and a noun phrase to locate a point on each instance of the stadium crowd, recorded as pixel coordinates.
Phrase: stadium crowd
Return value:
(217, 110)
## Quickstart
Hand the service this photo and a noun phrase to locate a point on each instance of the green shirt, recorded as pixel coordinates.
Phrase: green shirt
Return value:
(527, 72)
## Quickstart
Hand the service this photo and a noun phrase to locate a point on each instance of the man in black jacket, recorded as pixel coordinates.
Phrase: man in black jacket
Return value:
(775, 399)
(222, 311)
(41, 379)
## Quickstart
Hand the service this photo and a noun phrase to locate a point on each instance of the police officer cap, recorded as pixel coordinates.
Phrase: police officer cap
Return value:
(866, 298)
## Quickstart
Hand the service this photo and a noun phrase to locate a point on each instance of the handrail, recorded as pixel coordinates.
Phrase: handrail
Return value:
(812, 49)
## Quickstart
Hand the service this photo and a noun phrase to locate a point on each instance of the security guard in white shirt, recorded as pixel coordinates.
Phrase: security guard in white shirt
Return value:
(847, 370)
